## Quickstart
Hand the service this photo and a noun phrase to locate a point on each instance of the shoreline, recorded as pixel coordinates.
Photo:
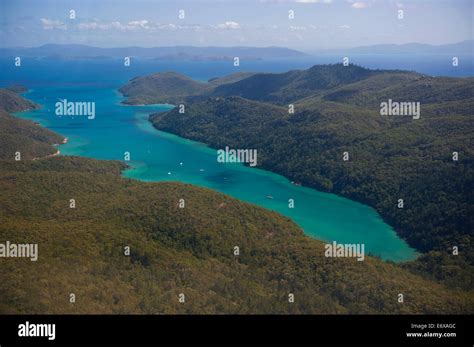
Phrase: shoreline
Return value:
(307, 233)
(58, 152)
(306, 185)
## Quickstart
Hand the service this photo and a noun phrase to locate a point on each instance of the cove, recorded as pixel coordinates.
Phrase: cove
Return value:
(159, 156)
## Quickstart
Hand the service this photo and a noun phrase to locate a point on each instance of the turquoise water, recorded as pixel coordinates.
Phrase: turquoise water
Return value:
(156, 156)
(159, 156)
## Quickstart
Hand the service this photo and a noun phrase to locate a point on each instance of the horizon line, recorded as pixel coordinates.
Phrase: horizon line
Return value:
(272, 46)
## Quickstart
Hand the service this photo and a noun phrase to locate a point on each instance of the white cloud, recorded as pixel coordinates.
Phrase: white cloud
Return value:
(50, 24)
(292, 27)
(170, 26)
(194, 27)
(359, 5)
(312, 1)
(98, 26)
(299, 1)
(345, 26)
(135, 26)
(105, 26)
(228, 25)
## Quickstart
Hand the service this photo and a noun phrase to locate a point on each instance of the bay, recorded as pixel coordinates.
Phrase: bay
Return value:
(159, 156)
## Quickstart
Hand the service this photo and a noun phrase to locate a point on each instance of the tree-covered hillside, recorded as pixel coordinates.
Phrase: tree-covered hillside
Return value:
(390, 158)
(294, 85)
(174, 251)
(20, 135)
(171, 87)
(12, 101)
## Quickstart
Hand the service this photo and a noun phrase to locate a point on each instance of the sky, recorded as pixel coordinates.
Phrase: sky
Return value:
(316, 24)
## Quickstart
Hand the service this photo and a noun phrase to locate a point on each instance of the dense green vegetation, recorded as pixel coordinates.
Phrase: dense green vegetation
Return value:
(160, 88)
(391, 158)
(19, 135)
(11, 101)
(293, 85)
(178, 250)
(171, 87)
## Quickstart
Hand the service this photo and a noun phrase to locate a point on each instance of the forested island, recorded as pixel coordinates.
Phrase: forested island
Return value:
(173, 251)
(425, 162)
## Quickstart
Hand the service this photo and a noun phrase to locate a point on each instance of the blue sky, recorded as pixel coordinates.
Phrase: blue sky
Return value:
(317, 24)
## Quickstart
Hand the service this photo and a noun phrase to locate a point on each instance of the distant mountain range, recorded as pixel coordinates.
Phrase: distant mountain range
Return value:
(74, 51)
(464, 47)
(169, 53)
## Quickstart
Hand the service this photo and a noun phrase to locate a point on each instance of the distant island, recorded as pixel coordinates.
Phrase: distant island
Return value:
(76, 51)
(463, 47)
(195, 53)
